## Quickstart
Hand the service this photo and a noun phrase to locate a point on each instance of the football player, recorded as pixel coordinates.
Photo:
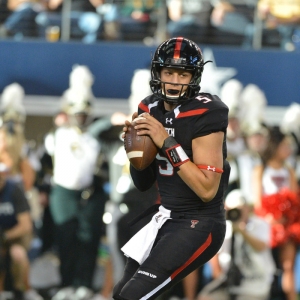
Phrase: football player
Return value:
(191, 170)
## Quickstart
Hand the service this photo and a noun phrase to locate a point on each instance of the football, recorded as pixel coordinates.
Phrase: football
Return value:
(140, 149)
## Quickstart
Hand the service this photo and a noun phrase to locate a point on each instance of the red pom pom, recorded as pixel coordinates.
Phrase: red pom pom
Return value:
(284, 209)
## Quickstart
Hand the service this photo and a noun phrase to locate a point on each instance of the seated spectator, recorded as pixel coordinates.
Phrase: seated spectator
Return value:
(190, 19)
(284, 16)
(244, 267)
(85, 21)
(235, 21)
(137, 19)
(21, 20)
(4, 11)
(16, 233)
(109, 12)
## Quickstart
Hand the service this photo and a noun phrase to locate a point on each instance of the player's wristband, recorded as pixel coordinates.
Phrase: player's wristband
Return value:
(174, 152)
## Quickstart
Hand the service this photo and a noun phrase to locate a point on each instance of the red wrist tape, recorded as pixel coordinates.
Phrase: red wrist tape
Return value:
(210, 168)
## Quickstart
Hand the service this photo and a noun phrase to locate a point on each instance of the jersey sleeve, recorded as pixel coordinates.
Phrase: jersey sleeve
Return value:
(215, 119)
(144, 179)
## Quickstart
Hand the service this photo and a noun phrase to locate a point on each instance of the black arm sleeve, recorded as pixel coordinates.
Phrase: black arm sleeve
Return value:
(143, 180)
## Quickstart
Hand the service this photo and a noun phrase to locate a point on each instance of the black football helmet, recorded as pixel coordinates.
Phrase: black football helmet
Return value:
(178, 53)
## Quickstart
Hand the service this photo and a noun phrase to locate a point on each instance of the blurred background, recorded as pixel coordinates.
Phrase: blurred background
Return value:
(255, 42)
(41, 40)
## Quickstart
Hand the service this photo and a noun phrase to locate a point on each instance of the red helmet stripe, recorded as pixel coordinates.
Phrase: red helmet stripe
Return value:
(178, 47)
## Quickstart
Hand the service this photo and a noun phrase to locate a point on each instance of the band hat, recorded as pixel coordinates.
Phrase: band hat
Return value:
(255, 128)
(291, 120)
(12, 106)
(253, 102)
(230, 94)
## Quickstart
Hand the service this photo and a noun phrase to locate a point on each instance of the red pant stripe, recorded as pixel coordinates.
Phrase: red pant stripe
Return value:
(193, 257)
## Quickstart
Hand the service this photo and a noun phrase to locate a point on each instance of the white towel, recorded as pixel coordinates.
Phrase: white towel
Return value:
(140, 245)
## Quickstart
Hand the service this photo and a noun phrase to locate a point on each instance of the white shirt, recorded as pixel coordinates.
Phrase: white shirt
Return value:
(75, 157)
(275, 179)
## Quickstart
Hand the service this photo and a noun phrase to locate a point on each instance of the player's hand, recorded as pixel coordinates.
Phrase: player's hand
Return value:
(128, 123)
(148, 125)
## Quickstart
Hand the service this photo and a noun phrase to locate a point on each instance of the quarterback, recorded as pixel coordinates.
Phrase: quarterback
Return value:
(188, 227)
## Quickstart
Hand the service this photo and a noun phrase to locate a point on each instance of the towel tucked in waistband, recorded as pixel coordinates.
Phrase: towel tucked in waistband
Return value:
(140, 245)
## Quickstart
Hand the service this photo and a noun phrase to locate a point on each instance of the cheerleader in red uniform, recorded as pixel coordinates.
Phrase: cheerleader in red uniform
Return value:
(276, 194)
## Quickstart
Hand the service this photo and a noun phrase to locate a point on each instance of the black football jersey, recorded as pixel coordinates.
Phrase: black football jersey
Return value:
(200, 116)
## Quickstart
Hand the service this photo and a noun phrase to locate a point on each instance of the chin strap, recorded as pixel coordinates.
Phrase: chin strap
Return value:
(174, 152)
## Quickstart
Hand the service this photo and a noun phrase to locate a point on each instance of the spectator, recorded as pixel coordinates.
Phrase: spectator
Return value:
(16, 234)
(231, 96)
(246, 136)
(243, 269)
(284, 16)
(276, 199)
(77, 198)
(137, 19)
(252, 125)
(21, 21)
(4, 11)
(189, 18)
(85, 21)
(5, 156)
(13, 116)
(290, 125)
(235, 21)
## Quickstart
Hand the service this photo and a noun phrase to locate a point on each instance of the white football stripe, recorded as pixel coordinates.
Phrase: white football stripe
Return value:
(134, 154)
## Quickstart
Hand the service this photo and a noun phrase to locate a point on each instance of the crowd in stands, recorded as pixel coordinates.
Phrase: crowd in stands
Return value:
(244, 23)
(81, 172)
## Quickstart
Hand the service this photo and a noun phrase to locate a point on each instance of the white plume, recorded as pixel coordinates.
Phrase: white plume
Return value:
(230, 94)
(81, 77)
(253, 103)
(77, 100)
(12, 98)
(140, 88)
(291, 120)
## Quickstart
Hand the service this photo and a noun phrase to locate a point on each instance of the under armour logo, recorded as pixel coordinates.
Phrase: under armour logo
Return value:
(211, 169)
(194, 223)
(157, 218)
(169, 120)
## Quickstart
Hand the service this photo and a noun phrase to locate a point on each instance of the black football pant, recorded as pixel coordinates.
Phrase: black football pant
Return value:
(181, 246)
